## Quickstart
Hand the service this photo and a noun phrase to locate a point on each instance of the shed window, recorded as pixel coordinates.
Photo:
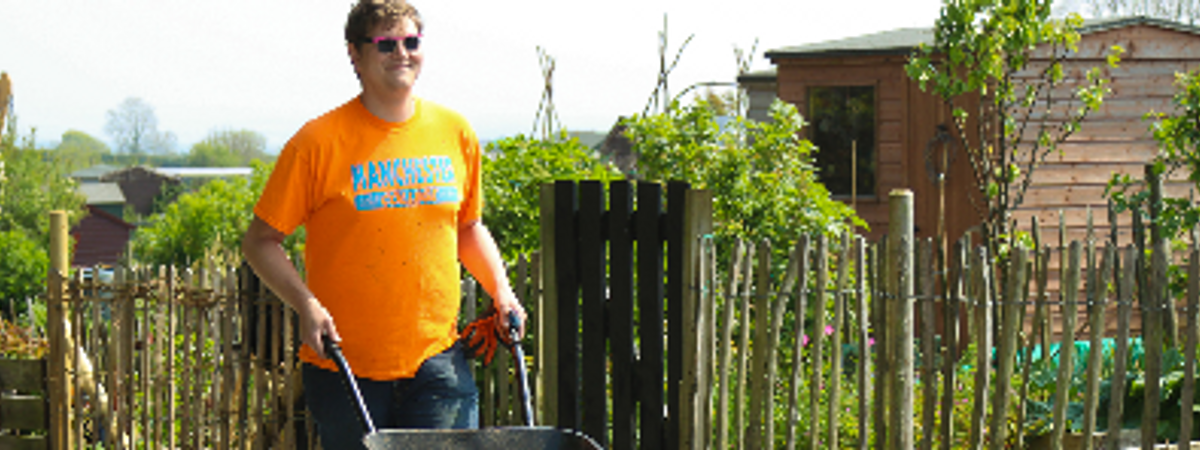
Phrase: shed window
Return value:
(842, 118)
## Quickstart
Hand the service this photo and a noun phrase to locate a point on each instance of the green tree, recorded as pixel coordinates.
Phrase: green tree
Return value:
(1004, 60)
(206, 154)
(30, 187)
(761, 173)
(133, 127)
(23, 267)
(79, 150)
(208, 221)
(514, 170)
(228, 148)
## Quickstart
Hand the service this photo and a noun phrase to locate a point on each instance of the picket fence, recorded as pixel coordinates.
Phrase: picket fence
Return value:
(170, 358)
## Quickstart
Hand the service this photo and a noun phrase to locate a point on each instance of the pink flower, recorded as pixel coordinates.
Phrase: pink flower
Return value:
(828, 330)
(804, 340)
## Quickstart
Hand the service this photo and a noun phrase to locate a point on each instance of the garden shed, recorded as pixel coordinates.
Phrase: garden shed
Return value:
(855, 91)
(855, 94)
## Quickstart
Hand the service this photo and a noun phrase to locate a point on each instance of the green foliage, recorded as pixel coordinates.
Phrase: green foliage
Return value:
(31, 185)
(204, 154)
(23, 267)
(761, 173)
(514, 170)
(228, 148)
(210, 220)
(79, 150)
(1178, 137)
(980, 46)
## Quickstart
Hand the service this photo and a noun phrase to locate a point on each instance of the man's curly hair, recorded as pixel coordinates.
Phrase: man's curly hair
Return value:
(368, 14)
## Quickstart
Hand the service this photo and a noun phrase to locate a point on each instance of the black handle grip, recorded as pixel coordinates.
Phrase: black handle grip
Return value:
(514, 334)
(514, 327)
(334, 352)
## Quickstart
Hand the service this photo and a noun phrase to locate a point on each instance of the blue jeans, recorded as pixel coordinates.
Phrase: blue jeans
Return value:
(441, 395)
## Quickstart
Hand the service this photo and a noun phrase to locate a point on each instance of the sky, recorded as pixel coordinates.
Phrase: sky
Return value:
(271, 65)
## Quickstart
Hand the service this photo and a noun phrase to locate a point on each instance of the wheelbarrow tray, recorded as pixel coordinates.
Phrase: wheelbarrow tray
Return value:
(498, 438)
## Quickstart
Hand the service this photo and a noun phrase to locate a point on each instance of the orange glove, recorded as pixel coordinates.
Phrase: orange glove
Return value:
(482, 336)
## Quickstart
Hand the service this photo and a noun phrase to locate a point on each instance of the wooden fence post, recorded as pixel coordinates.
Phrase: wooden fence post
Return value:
(1097, 302)
(548, 389)
(621, 313)
(900, 228)
(1069, 290)
(880, 307)
(778, 310)
(801, 297)
(1125, 284)
(593, 288)
(758, 363)
(744, 347)
(925, 266)
(835, 356)
(77, 333)
(1154, 302)
(1012, 301)
(1189, 363)
(56, 314)
(954, 290)
(677, 281)
(726, 354)
(816, 340)
(228, 313)
(863, 336)
(650, 314)
(694, 408)
(981, 290)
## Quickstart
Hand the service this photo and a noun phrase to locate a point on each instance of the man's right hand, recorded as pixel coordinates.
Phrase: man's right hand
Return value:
(315, 322)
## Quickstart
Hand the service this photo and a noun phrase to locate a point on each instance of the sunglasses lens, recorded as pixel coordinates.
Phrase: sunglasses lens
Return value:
(386, 45)
(412, 43)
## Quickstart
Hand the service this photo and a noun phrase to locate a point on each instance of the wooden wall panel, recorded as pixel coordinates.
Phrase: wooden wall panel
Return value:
(1086, 173)
(1073, 151)
(1100, 130)
(1139, 42)
(891, 153)
(1085, 194)
(1129, 109)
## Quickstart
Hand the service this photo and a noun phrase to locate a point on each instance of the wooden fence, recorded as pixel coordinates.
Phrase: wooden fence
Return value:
(167, 358)
(756, 361)
(643, 339)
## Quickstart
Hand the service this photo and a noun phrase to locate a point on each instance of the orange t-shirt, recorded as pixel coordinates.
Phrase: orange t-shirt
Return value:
(382, 204)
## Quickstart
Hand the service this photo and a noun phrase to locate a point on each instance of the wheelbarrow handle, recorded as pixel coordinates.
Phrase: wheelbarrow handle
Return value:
(334, 352)
(514, 334)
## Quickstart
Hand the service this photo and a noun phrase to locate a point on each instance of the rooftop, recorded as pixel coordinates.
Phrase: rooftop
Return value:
(203, 172)
(904, 40)
(101, 193)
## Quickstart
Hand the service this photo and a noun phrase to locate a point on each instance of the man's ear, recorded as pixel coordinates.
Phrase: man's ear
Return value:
(352, 51)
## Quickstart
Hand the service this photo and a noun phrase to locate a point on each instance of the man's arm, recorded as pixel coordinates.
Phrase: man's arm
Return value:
(263, 248)
(478, 252)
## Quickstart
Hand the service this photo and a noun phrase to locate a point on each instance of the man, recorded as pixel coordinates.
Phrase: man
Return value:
(388, 187)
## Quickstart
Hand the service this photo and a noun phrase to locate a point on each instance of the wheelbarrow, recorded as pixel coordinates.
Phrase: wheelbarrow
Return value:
(529, 436)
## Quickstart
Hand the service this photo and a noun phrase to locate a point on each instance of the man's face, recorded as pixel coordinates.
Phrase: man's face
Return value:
(388, 72)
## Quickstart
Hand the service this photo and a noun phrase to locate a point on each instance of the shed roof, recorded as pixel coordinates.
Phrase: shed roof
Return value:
(765, 75)
(96, 171)
(101, 193)
(904, 40)
(202, 172)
